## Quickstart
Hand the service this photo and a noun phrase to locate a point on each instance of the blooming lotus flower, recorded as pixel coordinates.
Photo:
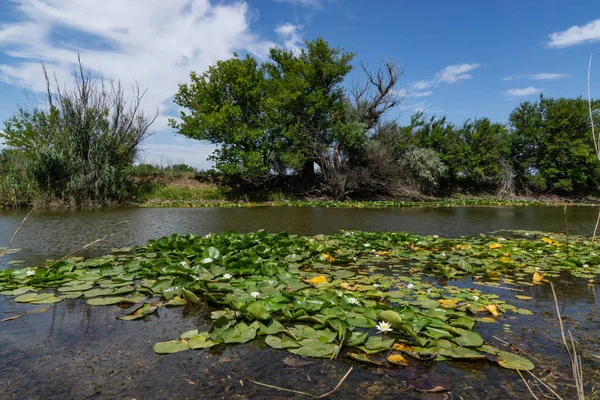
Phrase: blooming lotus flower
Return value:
(353, 300)
(227, 276)
(384, 327)
(207, 260)
(255, 294)
(410, 286)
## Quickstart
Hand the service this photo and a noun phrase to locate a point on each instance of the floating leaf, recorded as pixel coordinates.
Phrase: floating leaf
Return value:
(104, 301)
(396, 359)
(537, 277)
(317, 279)
(363, 358)
(278, 343)
(142, 311)
(173, 346)
(521, 297)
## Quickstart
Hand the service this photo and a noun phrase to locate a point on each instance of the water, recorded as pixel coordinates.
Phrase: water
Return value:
(77, 351)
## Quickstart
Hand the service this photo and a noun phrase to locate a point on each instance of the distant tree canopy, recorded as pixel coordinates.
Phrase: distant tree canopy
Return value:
(286, 114)
(291, 112)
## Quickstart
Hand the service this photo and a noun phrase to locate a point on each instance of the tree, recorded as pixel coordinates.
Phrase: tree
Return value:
(82, 146)
(551, 149)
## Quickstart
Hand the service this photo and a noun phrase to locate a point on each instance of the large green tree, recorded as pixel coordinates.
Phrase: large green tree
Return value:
(552, 147)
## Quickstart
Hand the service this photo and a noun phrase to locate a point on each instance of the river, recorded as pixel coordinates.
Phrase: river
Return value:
(77, 351)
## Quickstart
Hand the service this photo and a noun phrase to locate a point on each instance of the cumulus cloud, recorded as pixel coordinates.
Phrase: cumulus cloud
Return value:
(522, 92)
(412, 93)
(589, 32)
(537, 77)
(290, 36)
(153, 42)
(450, 74)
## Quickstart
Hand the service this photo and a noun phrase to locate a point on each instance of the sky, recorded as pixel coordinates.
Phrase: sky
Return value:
(463, 59)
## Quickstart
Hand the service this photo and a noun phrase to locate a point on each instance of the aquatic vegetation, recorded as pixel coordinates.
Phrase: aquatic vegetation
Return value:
(368, 292)
(448, 202)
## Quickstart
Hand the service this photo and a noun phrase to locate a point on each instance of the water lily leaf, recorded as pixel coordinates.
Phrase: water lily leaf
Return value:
(272, 329)
(448, 303)
(190, 296)
(496, 246)
(391, 316)
(258, 311)
(396, 359)
(281, 343)
(419, 353)
(98, 292)
(465, 266)
(537, 277)
(508, 360)
(47, 300)
(437, 333)
(188, 334)
(239, 333)
(104, 301)
(426, 303)
(18, 291)
(468, 338)
(201, 341)
(173, 346)
(76, 288)
(322, 335)
(521, 297)
(314, 348)
(142, 311)
(317, 279)
(463, 322)
(343, 274)
(449, 350)
(363, 358)
(357, 338)
(175, 302)
(493, 310)
(211, 252)
(29, 297)
(376, 344)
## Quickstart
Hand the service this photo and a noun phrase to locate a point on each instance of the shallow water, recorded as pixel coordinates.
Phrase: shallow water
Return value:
(78, 351)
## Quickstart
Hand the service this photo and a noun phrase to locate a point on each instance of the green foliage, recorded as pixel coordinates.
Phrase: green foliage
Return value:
(271, 117)
(424, 166)
(81, 148)
(552, 146)
(184, 193)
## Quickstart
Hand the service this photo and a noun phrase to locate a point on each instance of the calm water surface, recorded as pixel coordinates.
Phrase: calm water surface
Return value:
(74, 351)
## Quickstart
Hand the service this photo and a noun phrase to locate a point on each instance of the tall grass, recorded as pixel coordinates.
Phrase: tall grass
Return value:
(81, 147)
(184, 193)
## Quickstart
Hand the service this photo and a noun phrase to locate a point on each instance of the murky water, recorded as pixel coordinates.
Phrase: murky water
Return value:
(77, 351)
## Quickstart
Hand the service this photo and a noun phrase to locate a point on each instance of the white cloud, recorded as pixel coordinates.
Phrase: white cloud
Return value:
(589, 32)
(154, 42)
(450, 74)
(193, 153)
(522, 92)
(455, 73)
(304, 3)
(409, 93)
(537, 77)
(289, 34)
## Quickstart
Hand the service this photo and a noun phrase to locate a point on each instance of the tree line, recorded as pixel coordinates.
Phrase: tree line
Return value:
(292, 118)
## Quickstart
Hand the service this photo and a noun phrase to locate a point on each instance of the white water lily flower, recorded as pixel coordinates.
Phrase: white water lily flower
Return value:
(585, 266)
(227, 276)
(30, 272)
(410, 286)
(443, 254)
(208, 235)
(428, 291)
(354, 258)
(475, 298)
(255, 294)
(537, 268)
(435, 236)
(353, 300)
(339, 293)
(500, 239)
(384, 327)
(367, 245)
(207, 260)
(539, 252)
(376, 285)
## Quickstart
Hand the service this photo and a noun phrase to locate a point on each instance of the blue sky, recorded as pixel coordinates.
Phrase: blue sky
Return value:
(462, 59)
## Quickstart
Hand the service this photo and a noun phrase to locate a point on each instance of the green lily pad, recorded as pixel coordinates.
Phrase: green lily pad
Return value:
(173, 346)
